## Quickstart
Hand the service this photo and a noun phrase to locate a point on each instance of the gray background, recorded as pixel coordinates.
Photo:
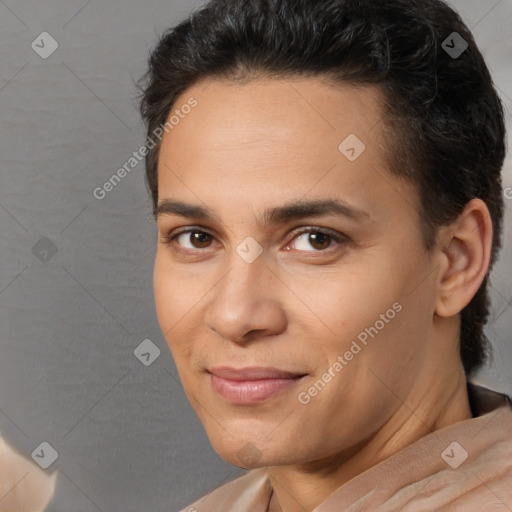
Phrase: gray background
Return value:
(126, 436)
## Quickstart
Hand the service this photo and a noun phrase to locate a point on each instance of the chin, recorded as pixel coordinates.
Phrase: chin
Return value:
(251, 452)
(244, 452)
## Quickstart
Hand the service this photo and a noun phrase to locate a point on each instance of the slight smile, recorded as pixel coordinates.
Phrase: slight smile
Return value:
(252, 384)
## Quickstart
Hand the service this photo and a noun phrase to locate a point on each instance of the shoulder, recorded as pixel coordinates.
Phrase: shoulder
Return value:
(248, 493)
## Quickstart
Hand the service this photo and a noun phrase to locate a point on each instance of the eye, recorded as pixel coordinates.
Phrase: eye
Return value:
(191, 239)
(319, 240)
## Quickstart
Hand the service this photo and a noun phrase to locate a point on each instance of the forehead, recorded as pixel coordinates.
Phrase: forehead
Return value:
(267, 137)
(230, 114)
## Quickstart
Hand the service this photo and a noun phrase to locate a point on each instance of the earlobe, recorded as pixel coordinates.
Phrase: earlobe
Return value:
(465, 258)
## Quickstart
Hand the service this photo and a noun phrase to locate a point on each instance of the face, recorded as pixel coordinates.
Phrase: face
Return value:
(290, 278)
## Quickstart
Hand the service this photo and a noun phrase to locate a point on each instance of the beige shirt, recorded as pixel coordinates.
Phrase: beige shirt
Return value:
(466, 467)
(24, 486)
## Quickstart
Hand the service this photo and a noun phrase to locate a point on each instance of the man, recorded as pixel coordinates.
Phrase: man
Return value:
(326, 183)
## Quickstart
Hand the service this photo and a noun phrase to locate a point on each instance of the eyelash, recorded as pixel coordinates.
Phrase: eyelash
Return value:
(333, 235)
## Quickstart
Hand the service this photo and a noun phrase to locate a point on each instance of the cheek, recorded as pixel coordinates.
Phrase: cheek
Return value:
(348, 302)
(396, 350)
(374, 307)
(164, 296)
(174, 300)
(178, 299)
(175, 293)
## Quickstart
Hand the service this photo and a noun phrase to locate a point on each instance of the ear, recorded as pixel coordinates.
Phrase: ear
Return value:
(465, 252)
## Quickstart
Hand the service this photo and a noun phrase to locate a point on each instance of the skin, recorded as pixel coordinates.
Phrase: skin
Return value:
(259, 144)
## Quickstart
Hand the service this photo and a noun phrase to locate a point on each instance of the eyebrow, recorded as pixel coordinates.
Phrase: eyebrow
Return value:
(273, 216)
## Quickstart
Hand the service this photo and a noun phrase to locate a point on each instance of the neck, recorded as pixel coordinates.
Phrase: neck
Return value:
(435, 404)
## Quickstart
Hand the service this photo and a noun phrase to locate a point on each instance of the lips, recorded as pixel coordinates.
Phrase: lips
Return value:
(252, 384)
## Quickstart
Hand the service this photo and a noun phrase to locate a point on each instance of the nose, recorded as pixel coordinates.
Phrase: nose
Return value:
(246, 304)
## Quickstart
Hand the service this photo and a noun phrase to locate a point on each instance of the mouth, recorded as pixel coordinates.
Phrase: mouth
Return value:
(251, 385)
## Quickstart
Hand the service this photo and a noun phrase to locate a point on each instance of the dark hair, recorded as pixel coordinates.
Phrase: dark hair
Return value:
(446, 130)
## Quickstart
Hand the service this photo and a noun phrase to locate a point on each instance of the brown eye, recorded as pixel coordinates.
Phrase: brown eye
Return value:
(313, 240)
(200, 240)
(193, 239)
(320, 241)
